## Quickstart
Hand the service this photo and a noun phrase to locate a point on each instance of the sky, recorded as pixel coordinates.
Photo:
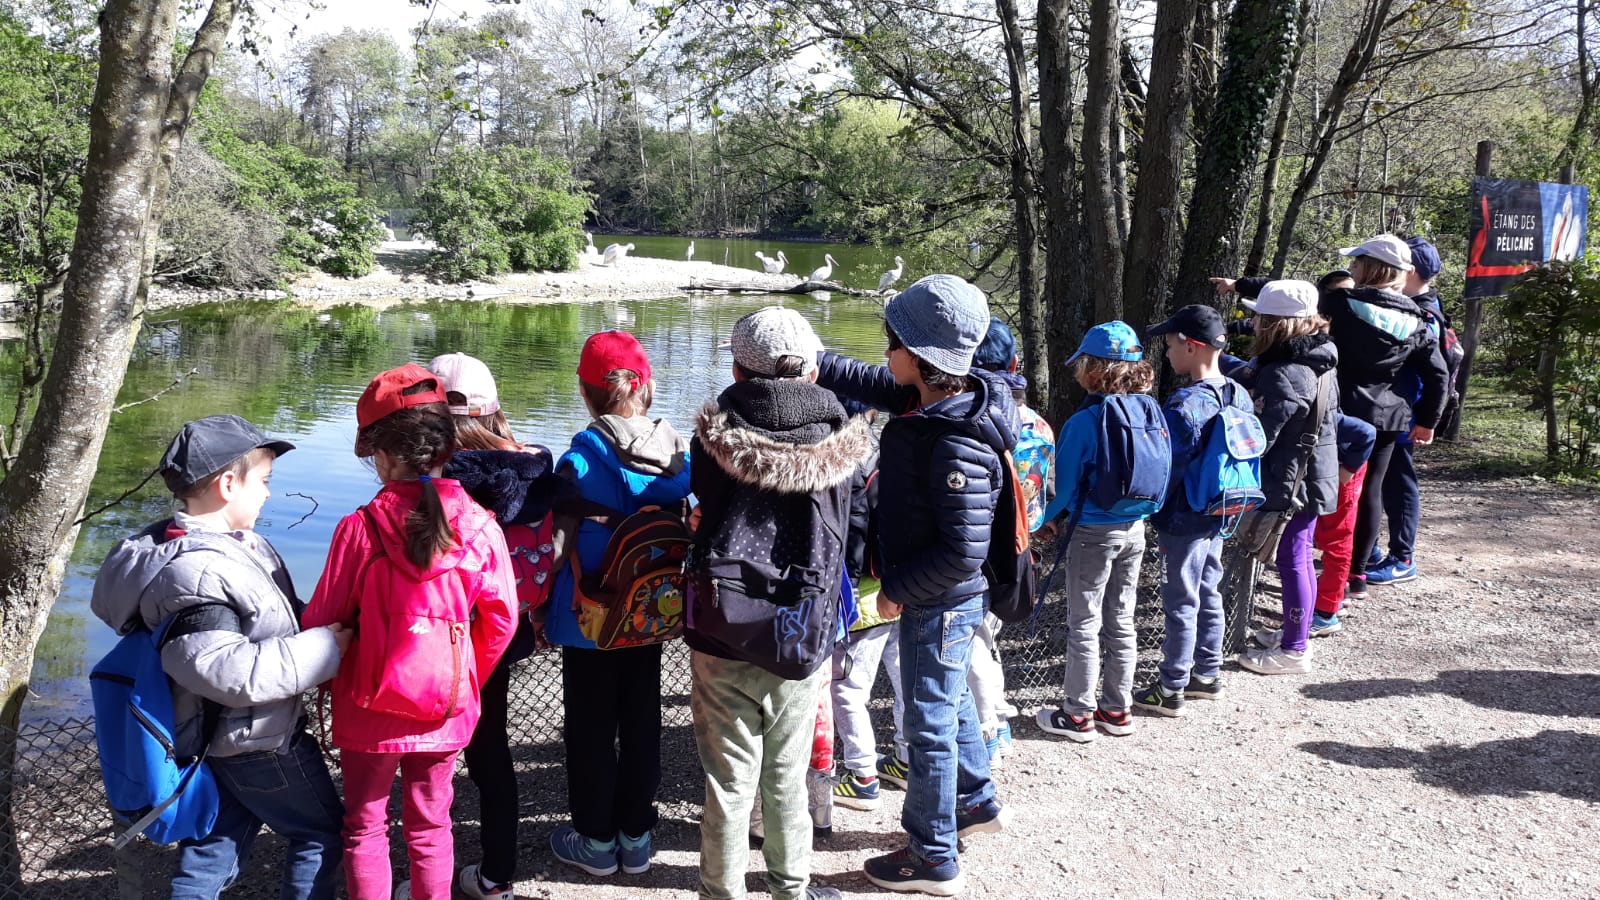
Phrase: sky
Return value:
(281, 18)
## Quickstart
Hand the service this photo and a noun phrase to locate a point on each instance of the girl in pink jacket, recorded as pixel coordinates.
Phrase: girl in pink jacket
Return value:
(422, 575)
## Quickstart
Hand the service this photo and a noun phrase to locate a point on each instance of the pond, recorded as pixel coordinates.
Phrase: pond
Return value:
(297, 372)
(859, 265)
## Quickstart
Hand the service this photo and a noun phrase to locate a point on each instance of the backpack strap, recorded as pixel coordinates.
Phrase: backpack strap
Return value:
(216, 616)
(1311, 434)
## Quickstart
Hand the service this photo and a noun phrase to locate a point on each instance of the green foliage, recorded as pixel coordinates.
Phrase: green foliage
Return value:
(495, 211)
(1552, 340)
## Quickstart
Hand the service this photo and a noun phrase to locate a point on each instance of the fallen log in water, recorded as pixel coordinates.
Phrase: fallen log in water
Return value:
(799, 287)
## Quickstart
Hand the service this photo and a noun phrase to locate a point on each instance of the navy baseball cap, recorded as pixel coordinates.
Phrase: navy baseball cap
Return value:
(998, 349)
(206, 446)
(1198, 323)
(1425, 258)
(1111, 340)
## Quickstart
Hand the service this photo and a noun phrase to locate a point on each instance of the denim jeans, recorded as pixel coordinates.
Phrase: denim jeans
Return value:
(1192, 604)
(949, 764)
(288, 790)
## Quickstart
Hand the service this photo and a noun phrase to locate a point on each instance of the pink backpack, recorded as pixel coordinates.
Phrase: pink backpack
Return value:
(413, 652)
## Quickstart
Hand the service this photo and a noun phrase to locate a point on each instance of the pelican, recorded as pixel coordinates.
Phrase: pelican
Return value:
(825, 271)
(887, 280)
(688, 255)
(616, 252)
(589, 249)
(773, 265)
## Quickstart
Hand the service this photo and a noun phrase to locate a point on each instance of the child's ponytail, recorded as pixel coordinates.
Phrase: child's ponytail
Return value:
(428, 530)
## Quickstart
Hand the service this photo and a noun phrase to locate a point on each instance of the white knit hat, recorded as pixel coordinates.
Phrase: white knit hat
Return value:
(762, 338)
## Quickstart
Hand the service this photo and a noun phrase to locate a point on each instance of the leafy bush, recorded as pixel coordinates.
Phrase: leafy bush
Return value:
(1552, 340)
(507, 209)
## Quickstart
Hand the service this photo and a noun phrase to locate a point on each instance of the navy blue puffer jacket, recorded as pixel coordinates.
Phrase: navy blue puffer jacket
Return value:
(933, 524)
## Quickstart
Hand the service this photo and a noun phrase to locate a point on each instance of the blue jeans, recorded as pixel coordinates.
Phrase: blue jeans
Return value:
(288, 790)
(949, 763)
(1193, 606)
(1402, 500)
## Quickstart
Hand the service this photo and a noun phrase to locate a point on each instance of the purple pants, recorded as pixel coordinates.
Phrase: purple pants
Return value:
(1299, 579)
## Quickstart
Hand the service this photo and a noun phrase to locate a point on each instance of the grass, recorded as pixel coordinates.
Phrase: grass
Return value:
(1500, 435)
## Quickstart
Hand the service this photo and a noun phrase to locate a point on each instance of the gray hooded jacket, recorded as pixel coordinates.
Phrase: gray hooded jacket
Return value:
(256, 676)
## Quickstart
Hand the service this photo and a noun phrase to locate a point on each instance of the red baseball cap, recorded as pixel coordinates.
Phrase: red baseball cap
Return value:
(384, 393)
(608, 350)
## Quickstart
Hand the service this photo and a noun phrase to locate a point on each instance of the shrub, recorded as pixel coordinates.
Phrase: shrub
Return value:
(502, 210)
(1552, 341)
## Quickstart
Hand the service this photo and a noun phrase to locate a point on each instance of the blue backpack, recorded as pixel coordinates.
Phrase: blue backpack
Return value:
(1224, 479)
(166, 797)
(1133, 461)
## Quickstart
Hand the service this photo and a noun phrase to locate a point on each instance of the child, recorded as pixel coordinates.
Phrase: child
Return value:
(624, 461)
(1104, 552)
(517, 483)
(939, 478)
(235, 642)
(1336, 531)
(1292, 352)
(1191, 540)
(420, 552)
(773, 458)
(1034, 456)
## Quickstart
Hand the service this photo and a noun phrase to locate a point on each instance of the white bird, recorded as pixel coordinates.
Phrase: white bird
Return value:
(825, 271)
(688, 256)
(616, 252)
(589, 249)
(888, 278)
(772, 265)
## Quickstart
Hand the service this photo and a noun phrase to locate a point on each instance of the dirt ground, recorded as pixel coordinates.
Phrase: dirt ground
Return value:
(1447, 745)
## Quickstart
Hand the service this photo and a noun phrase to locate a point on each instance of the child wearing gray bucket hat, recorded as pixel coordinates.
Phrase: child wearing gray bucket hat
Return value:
(939, 477)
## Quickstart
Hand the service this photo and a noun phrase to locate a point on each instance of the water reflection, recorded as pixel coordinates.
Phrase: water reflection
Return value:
(297, 373)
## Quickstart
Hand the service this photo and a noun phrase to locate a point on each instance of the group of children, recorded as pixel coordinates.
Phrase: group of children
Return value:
(816, 551)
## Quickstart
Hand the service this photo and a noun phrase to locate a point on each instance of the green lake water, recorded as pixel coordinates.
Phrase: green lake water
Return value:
(297, 373)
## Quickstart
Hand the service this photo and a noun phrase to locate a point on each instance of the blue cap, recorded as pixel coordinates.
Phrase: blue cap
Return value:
(1425, 258)
(206, 446)
(941, 319)
(998, 349)
(1112, 340)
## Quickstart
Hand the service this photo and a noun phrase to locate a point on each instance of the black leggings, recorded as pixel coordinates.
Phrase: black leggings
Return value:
(490, 767)
(1369, 518)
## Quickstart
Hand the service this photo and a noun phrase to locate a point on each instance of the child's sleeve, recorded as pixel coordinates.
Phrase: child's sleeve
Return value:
(1356, 439)
(1428, 363)
(334, 600)
(1074, 456)
(495, 622)
(963, 511)
(866, 385)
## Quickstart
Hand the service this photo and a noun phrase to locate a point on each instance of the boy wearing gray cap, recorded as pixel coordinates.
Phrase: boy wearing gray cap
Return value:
(939, 478)
(772, 462)
(236, 656)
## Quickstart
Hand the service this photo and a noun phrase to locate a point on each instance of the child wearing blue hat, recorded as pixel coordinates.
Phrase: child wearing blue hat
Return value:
(1104, 541)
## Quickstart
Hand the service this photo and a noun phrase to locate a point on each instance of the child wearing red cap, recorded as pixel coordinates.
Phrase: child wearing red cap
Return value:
(422, 573)
(624, 461)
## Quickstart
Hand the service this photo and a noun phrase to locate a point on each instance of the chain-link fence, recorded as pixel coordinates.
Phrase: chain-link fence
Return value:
(64, 833)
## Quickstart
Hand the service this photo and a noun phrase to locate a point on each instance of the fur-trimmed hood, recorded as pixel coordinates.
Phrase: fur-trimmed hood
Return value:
(763, 459)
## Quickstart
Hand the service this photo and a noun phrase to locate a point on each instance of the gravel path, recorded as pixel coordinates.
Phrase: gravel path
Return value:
(1448, 744)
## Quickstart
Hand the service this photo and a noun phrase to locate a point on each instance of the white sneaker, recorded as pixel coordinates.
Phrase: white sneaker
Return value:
(1268, 638)
(471, 885)
(1277, 661)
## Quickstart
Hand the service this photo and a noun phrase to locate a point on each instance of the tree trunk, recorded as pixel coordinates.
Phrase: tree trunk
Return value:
(1261, 35)
(1205, 66)
(1280, 131)
(1069, 305)
(1582, 124)
(1101, 114)
(1351, 73)
(1153, 236)
(135, 124)
(1030, 308)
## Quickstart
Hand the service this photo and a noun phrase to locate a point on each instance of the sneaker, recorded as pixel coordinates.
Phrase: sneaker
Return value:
(894, 770)
(1375, 558)
(1073, 728)
(991, 745)
(1393, 571)
(472, 885)
(1117, 724)
(817, 892)
(988, 817)
(1004, 734)
(634, 853)
(1267, 638)
(402, 891)
(1356, 590)
(1277, 661)
(904, 870)
(819, 802)
(1154, 698)
(591, 856)
(1322, 626)
(1203, 688)
(856, 792)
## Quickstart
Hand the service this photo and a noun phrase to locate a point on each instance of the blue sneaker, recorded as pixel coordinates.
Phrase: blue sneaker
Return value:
(988, 817)
(1004, 734)
(591, 856)
(991, 745)
(1375, 558)
(855, 792)
(1393, 571)
(1322, 626)
(634, 853)
(894, 770)
(904, 870)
